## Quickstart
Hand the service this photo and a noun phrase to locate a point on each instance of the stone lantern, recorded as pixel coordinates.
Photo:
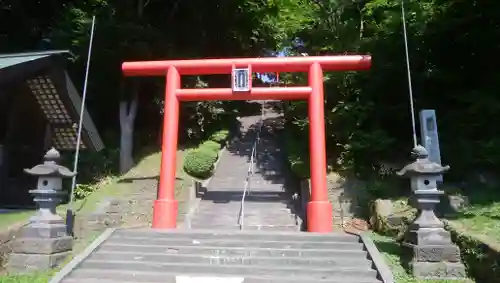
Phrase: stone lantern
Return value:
(44, 242)
(433, 255)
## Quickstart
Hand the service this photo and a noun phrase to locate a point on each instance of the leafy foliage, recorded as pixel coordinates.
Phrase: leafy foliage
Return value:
(367, 113)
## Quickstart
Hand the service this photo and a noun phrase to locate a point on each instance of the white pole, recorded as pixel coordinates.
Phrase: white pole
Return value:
(80, 122)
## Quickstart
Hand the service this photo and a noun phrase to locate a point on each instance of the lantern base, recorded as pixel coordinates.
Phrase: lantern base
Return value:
(430, 254)
(39, 252)
(438, 270)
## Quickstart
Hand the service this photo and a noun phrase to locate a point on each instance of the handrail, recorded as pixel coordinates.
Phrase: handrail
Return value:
(250, 172)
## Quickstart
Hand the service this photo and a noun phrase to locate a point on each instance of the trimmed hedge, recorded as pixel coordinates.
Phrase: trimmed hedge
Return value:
(220, 136)
(211, 145)
(199, 163)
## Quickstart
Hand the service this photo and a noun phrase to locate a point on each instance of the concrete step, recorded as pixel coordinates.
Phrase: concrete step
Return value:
(301, 262)
(245, 243)
(256, 220)
(235, 205)
(253, 196)
(246, 227)
(232, 251)
(215, 207)
(256, 236)
(111, 276)
(258, 224)
(230, 270)
(286, 212)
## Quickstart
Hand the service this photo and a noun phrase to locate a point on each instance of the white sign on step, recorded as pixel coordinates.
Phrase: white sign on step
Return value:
(429, 136)
(189, 279)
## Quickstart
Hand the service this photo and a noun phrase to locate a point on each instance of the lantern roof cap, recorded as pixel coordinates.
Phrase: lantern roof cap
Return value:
(50, 166)
(422, 165)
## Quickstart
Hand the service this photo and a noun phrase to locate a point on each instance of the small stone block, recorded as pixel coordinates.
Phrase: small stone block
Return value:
(35, 262)
(42, 246)
(436, 253)
(438, 270)
(43, 231)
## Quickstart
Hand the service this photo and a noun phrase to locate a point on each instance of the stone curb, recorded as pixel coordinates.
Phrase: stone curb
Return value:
(384, 272)
(68, 268)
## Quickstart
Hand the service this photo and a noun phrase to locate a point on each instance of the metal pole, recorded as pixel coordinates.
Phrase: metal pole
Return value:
(80, 124)
(408, 71)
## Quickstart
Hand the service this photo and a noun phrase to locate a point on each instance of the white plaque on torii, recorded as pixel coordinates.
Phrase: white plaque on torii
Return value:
(241, 79)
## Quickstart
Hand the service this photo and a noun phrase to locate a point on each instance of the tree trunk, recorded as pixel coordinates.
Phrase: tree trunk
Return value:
(128, 112)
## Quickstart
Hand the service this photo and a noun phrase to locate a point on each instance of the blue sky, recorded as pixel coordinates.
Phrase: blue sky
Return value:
(266, 78)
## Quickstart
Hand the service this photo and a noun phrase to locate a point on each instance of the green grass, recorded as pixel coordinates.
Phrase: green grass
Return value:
(391, 252)
(29, 278)
(482, 217)
(14, 218)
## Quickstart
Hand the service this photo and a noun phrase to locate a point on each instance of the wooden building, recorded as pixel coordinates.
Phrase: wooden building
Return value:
(39, 108)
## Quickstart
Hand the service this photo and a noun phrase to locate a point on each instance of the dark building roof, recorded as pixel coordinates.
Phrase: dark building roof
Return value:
(51, 86)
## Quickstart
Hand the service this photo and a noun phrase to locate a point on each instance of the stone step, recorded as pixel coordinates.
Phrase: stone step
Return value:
(250, 219)
(110, 276)
(233, 251)
(223, 205)
(270, 213)
(292, 227)
(312, 272)
(250, 199)
(225, 235)
(233, 205)
(231, 260)
(243, 242)
(202, 222)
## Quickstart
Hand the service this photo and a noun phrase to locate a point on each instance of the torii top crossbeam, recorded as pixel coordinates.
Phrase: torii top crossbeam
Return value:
(258, 65)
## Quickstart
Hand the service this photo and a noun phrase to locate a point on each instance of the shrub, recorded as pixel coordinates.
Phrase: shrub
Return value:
(83, 190)
(211, 145)
(297, 157)
(220, 136)
(300, 168)
(199, 163)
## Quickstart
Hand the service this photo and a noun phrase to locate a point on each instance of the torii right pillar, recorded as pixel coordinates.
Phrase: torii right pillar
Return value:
(319, 208)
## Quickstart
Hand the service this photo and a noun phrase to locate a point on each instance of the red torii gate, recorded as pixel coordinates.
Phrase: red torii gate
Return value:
(319, 209)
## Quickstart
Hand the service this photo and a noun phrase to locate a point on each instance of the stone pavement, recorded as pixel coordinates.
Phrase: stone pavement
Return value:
(268, 205)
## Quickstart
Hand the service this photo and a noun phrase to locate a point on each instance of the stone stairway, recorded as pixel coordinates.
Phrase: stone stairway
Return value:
(152, 256)
(211, 247)
(268, 204)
